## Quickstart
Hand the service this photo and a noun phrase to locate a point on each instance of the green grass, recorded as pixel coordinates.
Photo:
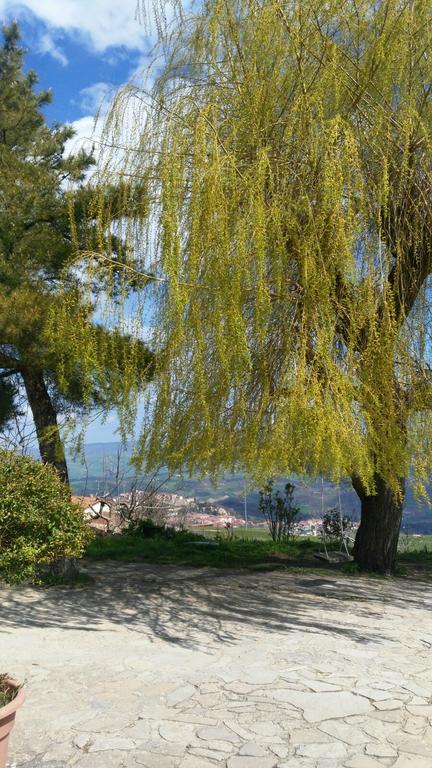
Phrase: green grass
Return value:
(52, 580)
(415, 554)
(241, 552)
(415, 545)
(251, 548)
(256, 534)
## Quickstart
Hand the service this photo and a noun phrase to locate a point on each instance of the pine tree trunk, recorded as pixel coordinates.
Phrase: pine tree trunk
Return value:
(45, 419)
(376, 542)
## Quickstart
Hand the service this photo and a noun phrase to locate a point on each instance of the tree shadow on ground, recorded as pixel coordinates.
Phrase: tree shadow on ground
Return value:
(190, 607)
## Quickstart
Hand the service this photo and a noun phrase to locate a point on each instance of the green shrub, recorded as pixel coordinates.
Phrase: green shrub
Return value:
(7, 692)
(38, 521)
(335, 524)
(148, 529)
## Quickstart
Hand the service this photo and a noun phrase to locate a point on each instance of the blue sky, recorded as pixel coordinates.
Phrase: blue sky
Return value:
(76, 45)
(83, 50)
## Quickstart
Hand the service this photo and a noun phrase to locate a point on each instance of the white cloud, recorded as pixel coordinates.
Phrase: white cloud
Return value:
(47, 45)
(89, 130)
(104, 23)
(87, 133)
(109, 130)
(91, 133)
(96, 97)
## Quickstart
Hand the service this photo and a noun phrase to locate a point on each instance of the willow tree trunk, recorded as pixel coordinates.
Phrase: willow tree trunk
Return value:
(376, 543)
(45, 419)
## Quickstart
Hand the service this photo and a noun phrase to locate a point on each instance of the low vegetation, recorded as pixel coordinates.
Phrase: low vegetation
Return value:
(7, 692)
(214, 550)
(38, 522)
(75, 579)
(252, 548)
(415, 548)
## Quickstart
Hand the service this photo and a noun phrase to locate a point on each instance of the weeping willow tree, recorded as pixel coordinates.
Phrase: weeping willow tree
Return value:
(286, 151)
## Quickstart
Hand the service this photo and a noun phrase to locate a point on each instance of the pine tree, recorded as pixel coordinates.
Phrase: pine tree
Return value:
(49, 341)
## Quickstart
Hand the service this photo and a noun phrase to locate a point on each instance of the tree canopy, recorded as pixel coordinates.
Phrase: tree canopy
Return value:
(287, 154)
(51, 342)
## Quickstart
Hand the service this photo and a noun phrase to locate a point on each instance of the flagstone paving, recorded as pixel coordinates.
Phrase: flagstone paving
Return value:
(166, 667)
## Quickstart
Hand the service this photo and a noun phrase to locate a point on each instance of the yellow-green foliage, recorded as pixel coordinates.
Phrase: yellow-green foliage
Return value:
(38, 521)
(286, 152)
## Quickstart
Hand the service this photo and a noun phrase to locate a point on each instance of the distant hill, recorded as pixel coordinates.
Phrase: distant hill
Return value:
(106, 470)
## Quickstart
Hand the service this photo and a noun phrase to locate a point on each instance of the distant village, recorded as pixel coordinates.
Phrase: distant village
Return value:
(180, 512)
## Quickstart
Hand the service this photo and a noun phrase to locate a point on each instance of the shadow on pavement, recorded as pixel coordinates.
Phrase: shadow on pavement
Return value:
(190, 606)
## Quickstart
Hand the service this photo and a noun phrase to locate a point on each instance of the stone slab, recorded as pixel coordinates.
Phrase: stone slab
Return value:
(290, 670)
(322, 706)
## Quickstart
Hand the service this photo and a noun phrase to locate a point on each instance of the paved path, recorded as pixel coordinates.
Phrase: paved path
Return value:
(167, 667)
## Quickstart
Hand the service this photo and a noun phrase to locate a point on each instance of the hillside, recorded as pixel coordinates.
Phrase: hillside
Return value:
(106, 471)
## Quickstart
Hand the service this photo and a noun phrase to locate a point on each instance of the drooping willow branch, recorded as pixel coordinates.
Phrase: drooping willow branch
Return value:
(289, 219)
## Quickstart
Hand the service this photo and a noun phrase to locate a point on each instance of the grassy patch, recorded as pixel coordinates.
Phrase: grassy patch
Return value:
(413, 548)
(415, 556)
(251, 549)
(52, 580)
(351, 569)
(187, 549)
(254, 534)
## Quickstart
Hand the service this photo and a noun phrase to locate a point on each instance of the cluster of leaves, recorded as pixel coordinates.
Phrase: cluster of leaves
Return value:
(7, 691)
(278, 510)
(335, 524)
(38, 521)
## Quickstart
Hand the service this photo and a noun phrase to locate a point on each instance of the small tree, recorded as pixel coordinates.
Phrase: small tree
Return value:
(335, 524)
(139, 505)
(278, 510)
(38, 522)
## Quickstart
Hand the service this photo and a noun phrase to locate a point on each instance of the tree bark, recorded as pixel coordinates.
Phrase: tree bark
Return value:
(45, 419)
(376, 543)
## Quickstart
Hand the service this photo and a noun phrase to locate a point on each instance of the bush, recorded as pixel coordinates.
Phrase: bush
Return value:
(148, 529)
(38, 522)
(335, 525)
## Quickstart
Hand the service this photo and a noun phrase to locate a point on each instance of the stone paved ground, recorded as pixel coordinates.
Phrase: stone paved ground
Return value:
(166, 667)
